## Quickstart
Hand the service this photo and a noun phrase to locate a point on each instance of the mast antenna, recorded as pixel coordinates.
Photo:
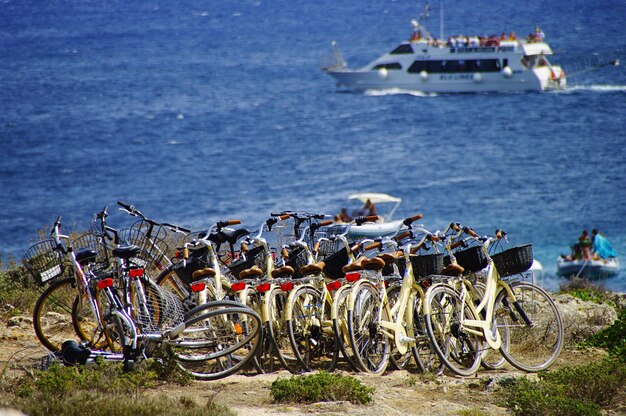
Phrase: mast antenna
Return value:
(441, 21)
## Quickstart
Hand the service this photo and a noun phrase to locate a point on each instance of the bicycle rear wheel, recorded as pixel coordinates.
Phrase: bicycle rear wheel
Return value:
(533, 323)
(310, 331)
(369, 343)
(457, 348)
(218, 340)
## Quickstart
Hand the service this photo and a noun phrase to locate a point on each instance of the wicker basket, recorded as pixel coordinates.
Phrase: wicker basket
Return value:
(471, 259)
(255, 256)
(335, 262)
(427, 264)
(513, 261)
(44, 262)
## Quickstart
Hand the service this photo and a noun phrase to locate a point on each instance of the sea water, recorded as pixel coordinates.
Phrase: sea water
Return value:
(198, 111)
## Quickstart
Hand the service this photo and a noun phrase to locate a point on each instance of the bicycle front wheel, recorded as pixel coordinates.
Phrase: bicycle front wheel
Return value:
(458, 349)
(368, 340)
(533, 323)
(277, 331)
(310, 331)
(52, 315)
(218, 341)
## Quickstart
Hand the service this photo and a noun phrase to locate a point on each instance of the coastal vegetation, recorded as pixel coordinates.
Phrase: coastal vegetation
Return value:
(321, 387)
(101, 389)
(568, 391)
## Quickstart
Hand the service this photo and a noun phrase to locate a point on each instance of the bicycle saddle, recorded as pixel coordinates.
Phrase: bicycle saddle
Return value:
(85, 255)
(126, 252)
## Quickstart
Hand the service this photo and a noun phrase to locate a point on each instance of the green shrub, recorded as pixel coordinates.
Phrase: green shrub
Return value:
(587, 290)
(574, 391)
(18, 291)
(320, 387)
(100, 389)
(613, 337)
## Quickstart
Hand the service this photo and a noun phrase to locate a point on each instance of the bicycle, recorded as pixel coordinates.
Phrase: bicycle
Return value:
(521, 313)
(376, 327)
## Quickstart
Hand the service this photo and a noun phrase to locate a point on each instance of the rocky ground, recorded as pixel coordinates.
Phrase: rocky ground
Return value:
(397, 392)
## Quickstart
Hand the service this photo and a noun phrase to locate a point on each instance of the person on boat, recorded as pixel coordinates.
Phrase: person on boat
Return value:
(416, 36)
(585, 245)
(367, 209)
(578, 249)
(343, 215)
(539, 35)
(371, 208)
(601, 247)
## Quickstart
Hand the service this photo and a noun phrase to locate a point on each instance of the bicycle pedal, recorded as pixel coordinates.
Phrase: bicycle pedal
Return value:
(405, 339)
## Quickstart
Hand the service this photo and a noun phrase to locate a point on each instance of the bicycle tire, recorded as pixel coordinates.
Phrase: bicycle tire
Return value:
(88, 326)
(534, 347)
(310, 331)
(492, 359)
(423, 351)
(371, 346)
(459, 350)
(340, 327)
(399, 361)
(277, 331)
(167, 278)
(217, 342)
(52, 314)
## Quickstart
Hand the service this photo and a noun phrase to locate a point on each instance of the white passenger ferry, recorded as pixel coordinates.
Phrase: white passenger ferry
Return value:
(458, 64)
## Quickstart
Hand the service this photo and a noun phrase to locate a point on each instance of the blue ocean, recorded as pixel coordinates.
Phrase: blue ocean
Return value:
(196, 111)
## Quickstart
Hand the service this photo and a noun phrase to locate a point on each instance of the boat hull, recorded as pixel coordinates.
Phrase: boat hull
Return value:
(374, 230)
(439, 83)
(593, 269)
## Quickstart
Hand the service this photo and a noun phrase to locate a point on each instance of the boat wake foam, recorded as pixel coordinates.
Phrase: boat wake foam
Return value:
(397, 91)
(596, 88)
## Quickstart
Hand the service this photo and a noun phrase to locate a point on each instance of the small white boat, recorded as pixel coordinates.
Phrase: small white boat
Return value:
(593, 269)
(385, 224)
(456, 65)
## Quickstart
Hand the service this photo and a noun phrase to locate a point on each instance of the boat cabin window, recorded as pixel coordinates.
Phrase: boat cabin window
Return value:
(391, 65)
(451, 66)
(404, 48)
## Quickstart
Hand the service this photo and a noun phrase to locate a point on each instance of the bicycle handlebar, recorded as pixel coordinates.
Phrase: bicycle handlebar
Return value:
(364, 219)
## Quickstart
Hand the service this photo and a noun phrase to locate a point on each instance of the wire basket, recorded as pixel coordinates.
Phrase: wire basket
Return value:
(97, 243)
(427, 264)
(513, 261)
(298, 257)
(255, 256)
(334, 263)
(44, 262)
(197, 261)
(153, 249)
(471, 259)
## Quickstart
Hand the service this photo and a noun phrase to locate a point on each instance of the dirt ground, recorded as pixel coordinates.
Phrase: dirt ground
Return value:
(397, 392)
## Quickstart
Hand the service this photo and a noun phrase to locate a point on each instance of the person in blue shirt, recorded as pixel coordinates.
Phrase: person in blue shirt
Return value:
(601, 247)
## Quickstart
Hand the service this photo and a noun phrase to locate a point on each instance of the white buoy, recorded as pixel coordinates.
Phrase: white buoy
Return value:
(477, 77)
(424, 75)
(382, 73)
(507, 72)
